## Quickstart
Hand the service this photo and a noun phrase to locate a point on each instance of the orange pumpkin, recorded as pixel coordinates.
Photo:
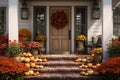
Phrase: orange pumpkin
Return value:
(45, 60)
(27, 59)
(27, 65)
(32, 65)
(27, 74)
(32, 58)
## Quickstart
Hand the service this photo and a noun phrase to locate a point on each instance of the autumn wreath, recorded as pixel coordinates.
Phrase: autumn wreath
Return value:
(59, 19)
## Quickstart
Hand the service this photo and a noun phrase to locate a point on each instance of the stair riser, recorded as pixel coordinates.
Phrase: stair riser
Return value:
(60, 71)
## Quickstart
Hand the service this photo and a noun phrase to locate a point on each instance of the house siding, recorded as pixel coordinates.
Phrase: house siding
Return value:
(3, 3)
(94, 26)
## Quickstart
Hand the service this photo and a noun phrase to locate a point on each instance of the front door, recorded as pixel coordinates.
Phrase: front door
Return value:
(60, 29)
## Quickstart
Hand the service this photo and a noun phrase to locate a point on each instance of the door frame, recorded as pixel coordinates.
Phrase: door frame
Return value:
(61, 3)
(68, 7)
(71, 27)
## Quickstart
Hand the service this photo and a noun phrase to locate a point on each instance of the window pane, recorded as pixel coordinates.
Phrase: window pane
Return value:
(39, 21)
(116, 17)
(2, 20)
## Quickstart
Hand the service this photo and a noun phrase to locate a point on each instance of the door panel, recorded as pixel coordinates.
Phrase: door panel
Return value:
(59, 38)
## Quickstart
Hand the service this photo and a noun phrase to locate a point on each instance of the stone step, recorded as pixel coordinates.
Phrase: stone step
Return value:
(57, 69)
(61, 67)
(61, 76)
(62, 57)
(60, 63)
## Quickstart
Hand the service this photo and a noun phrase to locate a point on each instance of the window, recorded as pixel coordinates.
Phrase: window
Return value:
(39, 21)
(80, 21)
(2, 20)
(116, 17)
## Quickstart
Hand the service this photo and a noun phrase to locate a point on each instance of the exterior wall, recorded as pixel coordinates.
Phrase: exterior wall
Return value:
(94, 26)
(3, 3)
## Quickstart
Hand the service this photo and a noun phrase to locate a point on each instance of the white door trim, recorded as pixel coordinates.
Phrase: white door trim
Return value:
(47, 31)
(72, 31)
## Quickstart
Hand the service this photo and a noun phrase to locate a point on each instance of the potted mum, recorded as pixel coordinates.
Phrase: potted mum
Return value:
(25, 35)
(81, 43)
(11, 69)
(14, 48)
(97, 54)
(114, 46)
(110, 69)
(34, 47)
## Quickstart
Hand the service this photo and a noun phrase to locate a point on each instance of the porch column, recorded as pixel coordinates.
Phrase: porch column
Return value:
(13, 19)
(107, 19)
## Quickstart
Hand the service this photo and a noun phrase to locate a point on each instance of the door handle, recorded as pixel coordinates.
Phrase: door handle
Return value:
(69, 34)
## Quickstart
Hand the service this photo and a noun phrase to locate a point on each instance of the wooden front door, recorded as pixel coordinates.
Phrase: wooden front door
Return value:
(60, 37)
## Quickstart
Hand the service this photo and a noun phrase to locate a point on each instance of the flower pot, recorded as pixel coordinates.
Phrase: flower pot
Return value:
(80, 46)
(97, 58)
(34, 52)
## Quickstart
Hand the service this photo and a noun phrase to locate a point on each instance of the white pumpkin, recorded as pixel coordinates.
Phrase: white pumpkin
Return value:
(90, 72)
(27, 60)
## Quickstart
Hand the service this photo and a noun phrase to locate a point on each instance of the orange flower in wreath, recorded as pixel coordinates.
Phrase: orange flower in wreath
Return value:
(59, 19)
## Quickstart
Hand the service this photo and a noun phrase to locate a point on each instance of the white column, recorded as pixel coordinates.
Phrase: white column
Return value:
(47, 50)
(72, 30)
(107, 25)
(13, 19)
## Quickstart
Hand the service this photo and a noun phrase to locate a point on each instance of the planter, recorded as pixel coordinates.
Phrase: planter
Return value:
(25, 39)
(80, 46)
(97, 58)
(34, 52)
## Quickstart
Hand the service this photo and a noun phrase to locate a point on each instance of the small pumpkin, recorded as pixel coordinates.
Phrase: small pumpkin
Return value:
(27, 74)
(32, 58)
(45, 60)
(27, 65)
(31, 72)
(27, 60)
(32, 65)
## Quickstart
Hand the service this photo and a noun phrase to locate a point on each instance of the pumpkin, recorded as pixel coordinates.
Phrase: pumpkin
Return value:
(41, 66)
(32, 58)
(78, 60)
(86, 74)
(84, 60)
(31, 72)
(37, 66)
(82, 73)
(37, 73)
(85, 66)
(40, 60)
(25, 54)
(17, 59)
(27, 74)
(94, 67)
(22, 59)
(89, 65)
(27, 65)
(32, 65)
(98, 65)
(90, 72)
(45, 60)
(29, 54)
(27, 60)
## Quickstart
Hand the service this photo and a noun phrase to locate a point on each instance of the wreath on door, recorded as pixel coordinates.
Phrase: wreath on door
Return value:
(59, 19)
